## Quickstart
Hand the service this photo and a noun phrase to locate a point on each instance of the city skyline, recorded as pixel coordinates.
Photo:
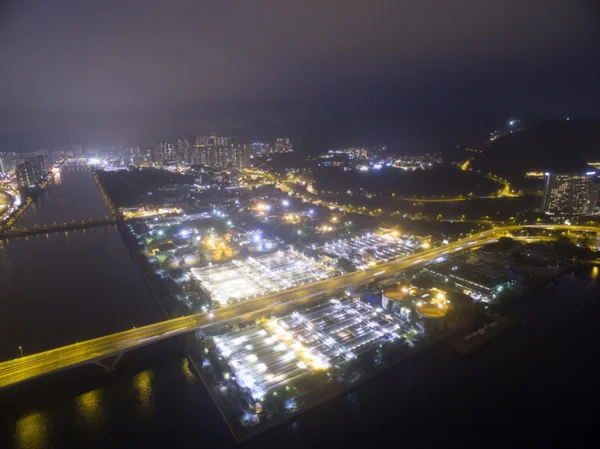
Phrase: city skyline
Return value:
(321, 223)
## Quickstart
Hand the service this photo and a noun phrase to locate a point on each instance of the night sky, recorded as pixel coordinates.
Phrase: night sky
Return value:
(418, 74)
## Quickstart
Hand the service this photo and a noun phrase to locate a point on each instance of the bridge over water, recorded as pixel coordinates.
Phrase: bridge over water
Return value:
(55, 227)
(101, 350)
(10, 230)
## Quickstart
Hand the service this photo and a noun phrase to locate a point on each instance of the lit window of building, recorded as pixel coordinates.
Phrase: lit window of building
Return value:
(571, 193)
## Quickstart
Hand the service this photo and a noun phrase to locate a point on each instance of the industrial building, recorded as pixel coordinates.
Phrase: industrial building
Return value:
(367, 249)
(479, 282)
(257, 276)
(266, 358)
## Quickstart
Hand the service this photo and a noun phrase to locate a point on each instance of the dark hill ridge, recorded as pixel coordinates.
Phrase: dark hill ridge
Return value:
(565, 145)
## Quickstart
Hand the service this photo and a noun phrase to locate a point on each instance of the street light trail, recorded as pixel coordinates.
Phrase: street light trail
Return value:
(44, 363)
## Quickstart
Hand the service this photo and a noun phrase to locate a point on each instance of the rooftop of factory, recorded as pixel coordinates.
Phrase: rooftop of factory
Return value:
(257, 276)
(267, 357)
(481, 276)
(367, 249)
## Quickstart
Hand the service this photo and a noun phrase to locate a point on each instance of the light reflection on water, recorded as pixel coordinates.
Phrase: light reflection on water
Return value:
(32, 431)
(187, 372)
(89, 408)
(142, 384)
(188, 414)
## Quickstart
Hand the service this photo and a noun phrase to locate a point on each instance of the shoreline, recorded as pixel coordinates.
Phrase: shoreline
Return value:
(12, 221)
(511, 313)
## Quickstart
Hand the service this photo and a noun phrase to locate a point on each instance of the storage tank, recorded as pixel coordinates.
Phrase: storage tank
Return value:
(254, 247)
(191, 259)
(394, 295)
(269, 244)
(171, 263)
(434, 315)
(213, 255)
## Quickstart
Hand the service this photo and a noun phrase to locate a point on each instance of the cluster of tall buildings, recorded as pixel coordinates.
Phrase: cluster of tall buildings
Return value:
(215, 151)
(571, 194)
(220, 152)
(283, 145)
(352, 153)
(31, 172)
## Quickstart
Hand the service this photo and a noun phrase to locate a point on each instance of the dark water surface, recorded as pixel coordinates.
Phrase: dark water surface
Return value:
(69, 286)
(534, 387)
(71, 195)
(61, 287)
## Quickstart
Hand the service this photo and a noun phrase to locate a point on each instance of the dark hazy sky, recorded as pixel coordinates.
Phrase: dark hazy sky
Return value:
(414, 70)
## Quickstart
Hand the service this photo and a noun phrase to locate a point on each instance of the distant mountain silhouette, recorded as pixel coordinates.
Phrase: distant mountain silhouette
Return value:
(27, 142)
(563, 146)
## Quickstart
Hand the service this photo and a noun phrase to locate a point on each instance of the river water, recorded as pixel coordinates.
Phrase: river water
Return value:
(536, 386)
(61, 287)
(71, 195)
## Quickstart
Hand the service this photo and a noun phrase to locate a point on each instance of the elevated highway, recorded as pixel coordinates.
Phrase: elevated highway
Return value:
(20, 370)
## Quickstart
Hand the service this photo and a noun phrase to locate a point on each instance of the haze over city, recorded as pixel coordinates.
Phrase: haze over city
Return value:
(299, 224)
(417, 74)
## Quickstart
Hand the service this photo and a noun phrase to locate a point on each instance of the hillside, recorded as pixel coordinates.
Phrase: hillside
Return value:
(564, 145)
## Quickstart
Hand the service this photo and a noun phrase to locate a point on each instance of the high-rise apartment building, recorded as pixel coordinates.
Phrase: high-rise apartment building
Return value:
(352, 153)
(184, 153)
(283, 145)
(571, 193)
(164, 152)
(260, 148)
(232, 156)
(204, 141)
(29, 172)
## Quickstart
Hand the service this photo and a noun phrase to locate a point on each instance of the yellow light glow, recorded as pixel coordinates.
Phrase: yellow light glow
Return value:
(142, 383)
(89, 407)
(32, 431)
(187, 372)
